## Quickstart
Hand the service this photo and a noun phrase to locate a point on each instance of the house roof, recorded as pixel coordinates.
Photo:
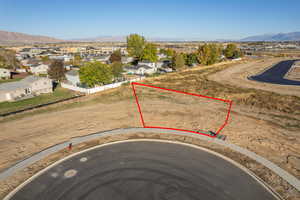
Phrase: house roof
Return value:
(22, 84)
(136, 67)
(145, 61)
(72, 73)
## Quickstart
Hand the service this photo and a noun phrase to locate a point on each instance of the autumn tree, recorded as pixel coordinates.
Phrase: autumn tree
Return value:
(57, 70)
(8, 59)
(77, 60)
(95, 73)
(135, 45)
(209, 54)
(116, 56)
(178, 61)
(150, 52)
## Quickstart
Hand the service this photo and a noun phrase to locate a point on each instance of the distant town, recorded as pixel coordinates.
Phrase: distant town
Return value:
(27, 71)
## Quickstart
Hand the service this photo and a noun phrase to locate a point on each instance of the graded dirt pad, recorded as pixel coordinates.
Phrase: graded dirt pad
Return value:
(194, 113)
(271, 133)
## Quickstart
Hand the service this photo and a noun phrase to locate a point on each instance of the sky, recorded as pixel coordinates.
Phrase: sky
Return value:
(185, 19)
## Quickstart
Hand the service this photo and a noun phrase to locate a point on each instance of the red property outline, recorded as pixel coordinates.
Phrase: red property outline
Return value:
(187, 93)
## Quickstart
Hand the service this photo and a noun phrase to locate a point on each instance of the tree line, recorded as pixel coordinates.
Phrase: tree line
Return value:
(97, 73)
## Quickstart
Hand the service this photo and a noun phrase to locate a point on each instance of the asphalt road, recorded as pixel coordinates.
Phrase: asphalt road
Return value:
(276, 74)
(144, 170)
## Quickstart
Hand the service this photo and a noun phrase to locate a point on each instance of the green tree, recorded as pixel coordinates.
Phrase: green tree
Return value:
(57, 70)
(117, 69)
(168, 52)
(216, 52)
(150, 52)
(95, 73)
(190, 59)
(45, 59)
(238, 53)
(229, 50)
(178, 61)
(116, 56)
(135, 45)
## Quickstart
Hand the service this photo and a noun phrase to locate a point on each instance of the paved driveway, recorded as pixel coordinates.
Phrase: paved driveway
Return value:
(276, 74)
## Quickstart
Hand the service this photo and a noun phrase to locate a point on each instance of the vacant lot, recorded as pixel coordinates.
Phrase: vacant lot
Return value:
(238, 74)
(265, 122)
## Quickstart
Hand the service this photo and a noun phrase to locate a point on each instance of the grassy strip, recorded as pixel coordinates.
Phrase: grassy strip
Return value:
(10, 80)
(58, 94)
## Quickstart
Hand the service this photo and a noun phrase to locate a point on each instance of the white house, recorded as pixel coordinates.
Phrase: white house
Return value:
(161, 55)
(72, 77)
(21, 70)
(65, 58)
(160, 64)
(25, 88)
(126, 60)
(148, 63)
(4, 73)
(139, 69)
(39, 69)
(103, 59)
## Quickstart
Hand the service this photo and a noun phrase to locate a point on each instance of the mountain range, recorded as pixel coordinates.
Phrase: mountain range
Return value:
(293, 36)
(21, 38)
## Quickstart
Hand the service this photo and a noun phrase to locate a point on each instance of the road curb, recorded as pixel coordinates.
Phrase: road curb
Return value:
(40, 155)
(260, 181)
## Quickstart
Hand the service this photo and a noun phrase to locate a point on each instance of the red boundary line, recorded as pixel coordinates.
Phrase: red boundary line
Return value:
(192, 94)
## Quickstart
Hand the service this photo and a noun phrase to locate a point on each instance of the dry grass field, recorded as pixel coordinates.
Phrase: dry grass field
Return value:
(266, 122)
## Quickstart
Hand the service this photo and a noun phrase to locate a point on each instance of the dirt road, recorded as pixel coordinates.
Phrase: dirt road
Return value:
(237, 75)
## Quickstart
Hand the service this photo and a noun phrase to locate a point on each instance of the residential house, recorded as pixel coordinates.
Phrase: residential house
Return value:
(165, 69)
(39, 69)
(161, 56)
(29, 62)
(148, 63)
(25, 88)
(139, 69)
(103, 59)
(72, 77)
(65, 58)
(126, 60)
(4, 73)
(21, 70)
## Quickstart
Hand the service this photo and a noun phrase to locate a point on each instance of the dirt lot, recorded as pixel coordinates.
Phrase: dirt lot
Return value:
(238, 74)
(264, 122)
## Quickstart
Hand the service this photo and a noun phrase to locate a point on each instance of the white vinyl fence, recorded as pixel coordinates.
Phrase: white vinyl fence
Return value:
(99, 88)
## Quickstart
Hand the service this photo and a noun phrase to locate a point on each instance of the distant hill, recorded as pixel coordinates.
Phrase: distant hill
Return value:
(294, 36)
(17, 38)
(122, 38)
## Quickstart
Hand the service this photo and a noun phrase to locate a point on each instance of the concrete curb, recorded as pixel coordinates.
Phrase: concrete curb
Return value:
(38, 156)
(260, 181)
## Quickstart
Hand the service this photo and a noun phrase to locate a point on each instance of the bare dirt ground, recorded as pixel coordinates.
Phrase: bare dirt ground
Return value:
(294, 72)
(238, 74)
(259, 124)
